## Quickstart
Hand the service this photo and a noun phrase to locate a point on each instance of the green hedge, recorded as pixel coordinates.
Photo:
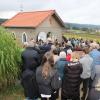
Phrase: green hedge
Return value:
(9, 59)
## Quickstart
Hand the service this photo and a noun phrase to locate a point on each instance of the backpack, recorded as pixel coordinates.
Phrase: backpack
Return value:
(56, 81)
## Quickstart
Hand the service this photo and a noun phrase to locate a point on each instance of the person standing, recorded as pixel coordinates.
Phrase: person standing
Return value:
(94, 93)
(48, 78)
(71, 81)
(87, 63)
(30, 60)
(60, 64)
(95, 54)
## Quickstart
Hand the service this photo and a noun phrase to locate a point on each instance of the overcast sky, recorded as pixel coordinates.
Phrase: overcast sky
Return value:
(75, 11)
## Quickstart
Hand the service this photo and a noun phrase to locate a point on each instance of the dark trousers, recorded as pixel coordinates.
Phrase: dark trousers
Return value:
(90, 83)
(51, 98)
(71, 98)
(85, 88)
(94, 94)
(47, 99)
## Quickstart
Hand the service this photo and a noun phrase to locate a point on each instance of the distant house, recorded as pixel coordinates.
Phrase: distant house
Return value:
(37, 25)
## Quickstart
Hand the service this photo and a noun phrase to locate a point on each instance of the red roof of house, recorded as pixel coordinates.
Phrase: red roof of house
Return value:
(28, 19)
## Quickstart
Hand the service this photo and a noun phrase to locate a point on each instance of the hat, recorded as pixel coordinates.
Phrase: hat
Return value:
(69, 51)
(62, 54)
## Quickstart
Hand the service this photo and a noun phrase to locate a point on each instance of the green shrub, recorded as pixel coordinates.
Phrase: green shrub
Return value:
(9, 59)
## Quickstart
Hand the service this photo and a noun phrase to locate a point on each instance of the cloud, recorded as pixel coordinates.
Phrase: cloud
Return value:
(77, 11)
(7, 14)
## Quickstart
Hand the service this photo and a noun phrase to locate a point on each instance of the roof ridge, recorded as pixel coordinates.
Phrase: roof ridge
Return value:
(36, 11)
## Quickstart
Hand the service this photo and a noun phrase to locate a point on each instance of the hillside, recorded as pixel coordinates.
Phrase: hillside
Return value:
(2, 20)
(81, 26)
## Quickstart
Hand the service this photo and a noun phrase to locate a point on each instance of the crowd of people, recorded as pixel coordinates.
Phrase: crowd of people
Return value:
(50, 70)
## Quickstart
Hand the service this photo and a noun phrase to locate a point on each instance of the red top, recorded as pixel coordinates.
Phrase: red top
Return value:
(68, 57)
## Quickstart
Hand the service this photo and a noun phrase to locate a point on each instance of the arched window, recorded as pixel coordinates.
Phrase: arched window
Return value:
(24, 37)
(14, 35)
(42, 36)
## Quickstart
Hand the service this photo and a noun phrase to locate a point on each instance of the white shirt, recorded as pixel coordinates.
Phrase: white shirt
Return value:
(45, 96)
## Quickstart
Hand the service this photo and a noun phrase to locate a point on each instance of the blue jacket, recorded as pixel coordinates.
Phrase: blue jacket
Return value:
(60, 64)
(95, 54)
(46, 47)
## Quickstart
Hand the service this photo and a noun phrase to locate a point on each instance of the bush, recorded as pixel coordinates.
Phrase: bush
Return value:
(9, 59)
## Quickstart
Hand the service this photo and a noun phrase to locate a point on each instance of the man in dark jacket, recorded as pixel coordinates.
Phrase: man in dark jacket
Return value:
(31, 61)
(30, 58)
(71, 81)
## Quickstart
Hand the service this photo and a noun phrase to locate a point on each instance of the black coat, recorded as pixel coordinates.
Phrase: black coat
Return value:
(71, 80)
(29, 84)
(46, 85)
(46, 47)
(30, 59)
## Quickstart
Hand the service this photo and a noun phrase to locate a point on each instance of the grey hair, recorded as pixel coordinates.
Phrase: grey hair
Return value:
(31, 44)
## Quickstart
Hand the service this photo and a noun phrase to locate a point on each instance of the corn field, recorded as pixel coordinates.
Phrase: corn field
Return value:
(9, 59)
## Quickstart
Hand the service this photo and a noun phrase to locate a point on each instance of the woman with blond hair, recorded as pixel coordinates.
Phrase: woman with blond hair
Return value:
(47, 78)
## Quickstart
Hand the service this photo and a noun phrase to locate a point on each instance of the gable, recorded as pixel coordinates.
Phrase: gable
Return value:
(50, 22)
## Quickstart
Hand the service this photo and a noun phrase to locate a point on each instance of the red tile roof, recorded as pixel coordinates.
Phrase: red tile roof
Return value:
(28, 19)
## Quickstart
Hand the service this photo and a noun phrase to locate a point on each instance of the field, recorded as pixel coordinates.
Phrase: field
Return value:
(95, 37)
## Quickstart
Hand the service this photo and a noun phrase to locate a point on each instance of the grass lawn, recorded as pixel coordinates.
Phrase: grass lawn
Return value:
(12, 93)
(16, 93)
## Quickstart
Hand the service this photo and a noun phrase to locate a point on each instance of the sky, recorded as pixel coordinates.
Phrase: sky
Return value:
(73, 11)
